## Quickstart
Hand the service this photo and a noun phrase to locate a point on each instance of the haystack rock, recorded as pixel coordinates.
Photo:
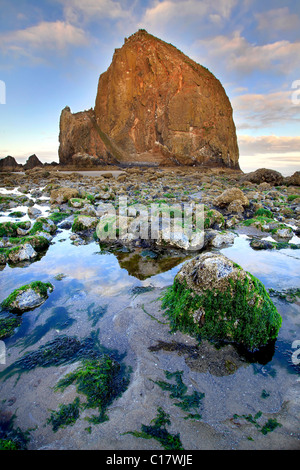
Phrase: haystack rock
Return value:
(155, 106)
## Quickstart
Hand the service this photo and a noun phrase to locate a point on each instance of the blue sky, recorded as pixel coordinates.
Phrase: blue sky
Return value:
(53, 51)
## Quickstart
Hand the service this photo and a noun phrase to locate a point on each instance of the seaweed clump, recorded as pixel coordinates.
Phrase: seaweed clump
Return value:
(101, 381)
(158, 431)
(178, 391)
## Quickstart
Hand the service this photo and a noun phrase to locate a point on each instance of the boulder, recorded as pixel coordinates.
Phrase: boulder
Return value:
(264, 175)
(214, 298)
(231, 197)
(21, 253)
(62, 195)
(84, 222)
(27, 297)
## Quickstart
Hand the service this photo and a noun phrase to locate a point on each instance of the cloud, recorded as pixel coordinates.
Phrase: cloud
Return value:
(281, 20)
(168, 13)
(237, 54)
(76, 10)
(250, 145)
(254, 111)
(279, 153)
(58, 36)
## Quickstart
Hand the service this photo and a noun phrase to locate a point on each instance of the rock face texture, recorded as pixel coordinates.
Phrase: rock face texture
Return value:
(154, 105)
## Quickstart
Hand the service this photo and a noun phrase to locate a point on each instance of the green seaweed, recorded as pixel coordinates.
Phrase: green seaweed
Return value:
(269, 426)
(8, 324)
(179, 390)
(11, 437)
(59, 351)
(101, 380)
(65, 416)
(159, 432)
(94, 314)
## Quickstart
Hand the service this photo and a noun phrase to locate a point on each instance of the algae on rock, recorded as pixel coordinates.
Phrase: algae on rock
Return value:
(214, 298)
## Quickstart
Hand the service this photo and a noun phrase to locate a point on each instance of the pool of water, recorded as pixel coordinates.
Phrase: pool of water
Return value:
(116, 295)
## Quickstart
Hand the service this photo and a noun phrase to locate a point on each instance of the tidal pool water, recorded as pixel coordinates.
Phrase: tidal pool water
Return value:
(110, 301)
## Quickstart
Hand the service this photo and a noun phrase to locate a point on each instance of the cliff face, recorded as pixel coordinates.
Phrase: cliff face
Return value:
(154, 105)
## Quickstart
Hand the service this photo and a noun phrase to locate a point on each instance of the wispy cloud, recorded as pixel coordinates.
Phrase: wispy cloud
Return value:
(255, 111)
(238, 55)
(279, 153)
(250, 145)
(77, 11)
(46, 36)
(280, 18)
(168, 13)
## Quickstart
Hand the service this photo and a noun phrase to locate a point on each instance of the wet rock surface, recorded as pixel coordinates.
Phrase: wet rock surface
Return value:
(107, 300)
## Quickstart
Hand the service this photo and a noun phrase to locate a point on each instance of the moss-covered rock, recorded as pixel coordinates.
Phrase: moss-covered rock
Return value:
(27, 297)
(83, 223)
(214, 298)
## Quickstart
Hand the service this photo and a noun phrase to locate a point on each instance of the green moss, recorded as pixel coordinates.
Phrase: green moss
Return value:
(57, 217)
(159, 432)
(212, 217)
(292, 197)
(231, 315)
(38, 286)
(61, 350)
(16, 214)
(258, 221)
(38, 226)
(39, 243)
(8, 444)
(9, 229)
(264, 213)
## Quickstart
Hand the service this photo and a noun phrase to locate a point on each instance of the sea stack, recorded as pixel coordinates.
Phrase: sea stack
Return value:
(154, 106)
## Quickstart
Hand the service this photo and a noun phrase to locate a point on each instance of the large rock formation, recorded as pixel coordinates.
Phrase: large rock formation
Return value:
(154, 105)
(9, 164)
(32, 162)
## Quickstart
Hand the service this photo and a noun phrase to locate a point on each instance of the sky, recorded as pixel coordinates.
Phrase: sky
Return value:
(52, 53)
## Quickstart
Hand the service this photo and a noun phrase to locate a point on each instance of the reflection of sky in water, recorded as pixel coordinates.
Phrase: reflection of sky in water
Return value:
(100, 273)
(275, 268)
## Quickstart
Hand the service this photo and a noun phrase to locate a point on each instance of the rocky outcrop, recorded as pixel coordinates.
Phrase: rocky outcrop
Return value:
(32, 162)
(9, 164)
(156, 106)
(264, 175)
